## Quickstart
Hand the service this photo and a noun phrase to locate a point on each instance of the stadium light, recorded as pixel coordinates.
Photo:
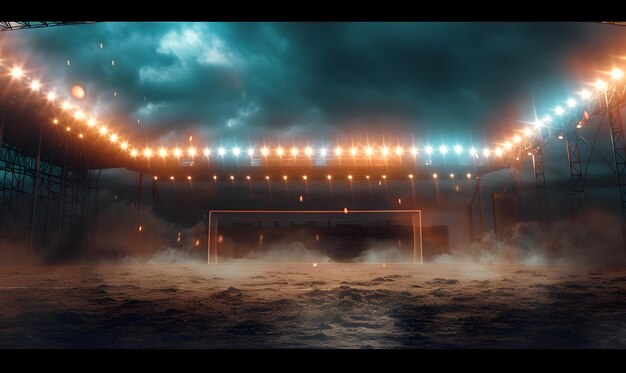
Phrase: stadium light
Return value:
(571, 102)
(17, 72)
(617, 73)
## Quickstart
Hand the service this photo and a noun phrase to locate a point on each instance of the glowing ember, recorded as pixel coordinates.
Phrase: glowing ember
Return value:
(78, 92)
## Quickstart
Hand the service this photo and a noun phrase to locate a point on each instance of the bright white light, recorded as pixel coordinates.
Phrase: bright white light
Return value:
(399, 151)
(280, 151)
(294, 152)
(113, 138)
(51, 96)
(207, 152)
(79, 114)
(17, 72)
(191, 151)
(353, 151)
(547, 119)
(498, 152)
(147, 152)
(429, 150)
(133, 153)
(285, 177)
(486, 152)
(414, 151)
(571, 102)
(508, 145)
(349, 177)
(250, 152)
(177, 152)
(221, 151)
(103, 130)
(248, 177)
(434, 176)
(601, 84)
(538, 123)
(308, 151)
(585, 94)
(528, 132)
(410, 176)
(236, 151)
(369, 151)
(560, 137)
(91, 122)
(517, 138)
(384, 151)
(65, 105)
(458, 149)
(232, 177)
(473, 152)
(338, 151)
(451, 176)
(323, 152)
(35, 85)
(468, 175)
(443, 149)
(265, 151)
(559, 110)
(304, 177)
(616, 73)
(124, 145)
(162, 152)
(329, 177)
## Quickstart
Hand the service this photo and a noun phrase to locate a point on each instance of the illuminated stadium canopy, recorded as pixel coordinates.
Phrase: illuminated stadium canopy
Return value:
(212, 159)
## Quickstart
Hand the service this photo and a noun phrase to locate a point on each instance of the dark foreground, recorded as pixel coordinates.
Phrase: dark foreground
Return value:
(298, 305)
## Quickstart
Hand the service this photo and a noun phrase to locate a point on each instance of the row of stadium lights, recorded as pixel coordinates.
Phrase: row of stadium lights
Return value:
(339, 151)
(328, 177)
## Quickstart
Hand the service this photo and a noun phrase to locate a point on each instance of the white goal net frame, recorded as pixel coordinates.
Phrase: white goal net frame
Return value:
(416, 222)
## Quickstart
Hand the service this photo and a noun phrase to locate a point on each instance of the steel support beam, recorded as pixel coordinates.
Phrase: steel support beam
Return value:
(540, 184)
(578, 211)
(619, 153)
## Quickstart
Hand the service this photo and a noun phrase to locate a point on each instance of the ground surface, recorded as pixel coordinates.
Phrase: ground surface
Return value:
(298, 305)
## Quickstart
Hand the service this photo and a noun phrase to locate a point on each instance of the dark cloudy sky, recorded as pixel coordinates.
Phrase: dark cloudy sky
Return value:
(435, 81)
(438, 82)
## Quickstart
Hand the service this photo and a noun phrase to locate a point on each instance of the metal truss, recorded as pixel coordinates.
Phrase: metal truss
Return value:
(20, 25)
(540, 184)
(53, 204)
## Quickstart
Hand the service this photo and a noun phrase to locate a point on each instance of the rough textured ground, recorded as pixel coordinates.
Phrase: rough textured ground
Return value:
(298, 305)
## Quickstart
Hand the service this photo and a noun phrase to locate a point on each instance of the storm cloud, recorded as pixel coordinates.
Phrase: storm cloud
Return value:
(257, 81)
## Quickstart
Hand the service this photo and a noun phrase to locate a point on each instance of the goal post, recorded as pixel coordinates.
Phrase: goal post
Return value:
(214, 238)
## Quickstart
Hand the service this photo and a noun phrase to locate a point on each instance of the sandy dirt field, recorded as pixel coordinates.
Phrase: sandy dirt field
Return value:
(195, 305)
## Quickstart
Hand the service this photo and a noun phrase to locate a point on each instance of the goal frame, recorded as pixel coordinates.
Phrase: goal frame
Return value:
(345, 211)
